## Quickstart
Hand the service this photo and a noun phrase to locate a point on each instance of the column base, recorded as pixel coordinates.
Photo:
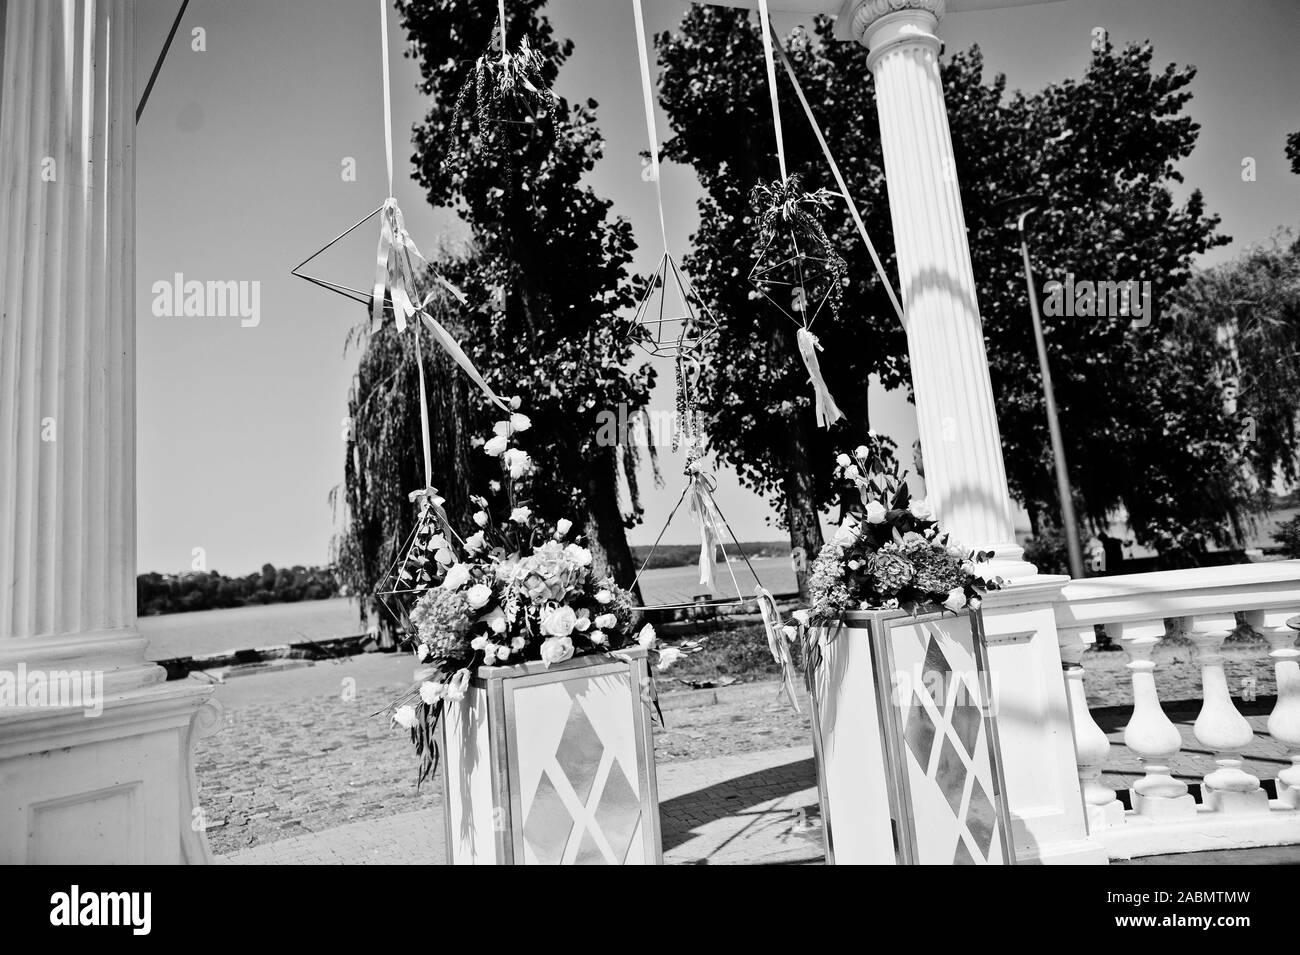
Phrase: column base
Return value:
(1231, 802)
(1034, 725)
(113, 788)
(1163, 808)
(1105, 816)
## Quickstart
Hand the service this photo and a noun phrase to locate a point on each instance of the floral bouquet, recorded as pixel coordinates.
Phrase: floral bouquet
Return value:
(889, 552)
(515, 590)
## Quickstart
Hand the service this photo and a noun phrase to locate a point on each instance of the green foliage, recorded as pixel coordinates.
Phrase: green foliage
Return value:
(1100, 150)
(1288, 535)
(546, 269)
(545, 274)
(179, 593)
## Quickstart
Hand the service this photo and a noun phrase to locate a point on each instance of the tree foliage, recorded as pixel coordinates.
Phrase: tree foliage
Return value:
(1100, 152)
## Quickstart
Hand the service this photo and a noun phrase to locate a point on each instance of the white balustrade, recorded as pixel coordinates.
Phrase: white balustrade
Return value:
(1150, 733)
(1201, 603)
(1091, 746)
(1219, 727)
(1284, 721)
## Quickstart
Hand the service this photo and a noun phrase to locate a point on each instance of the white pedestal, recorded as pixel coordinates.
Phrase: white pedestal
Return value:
(906, 740)
(552, 766)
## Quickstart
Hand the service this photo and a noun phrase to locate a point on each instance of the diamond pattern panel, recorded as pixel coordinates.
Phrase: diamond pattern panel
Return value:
(549, 823)
(918, 731)
(579, 752)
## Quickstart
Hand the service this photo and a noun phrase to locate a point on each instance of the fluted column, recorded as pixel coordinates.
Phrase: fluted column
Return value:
(964, 473)
(95, 748)
(67, 341)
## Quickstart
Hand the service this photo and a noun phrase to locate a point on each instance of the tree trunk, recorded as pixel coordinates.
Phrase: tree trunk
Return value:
(606, 534)
(800, 506)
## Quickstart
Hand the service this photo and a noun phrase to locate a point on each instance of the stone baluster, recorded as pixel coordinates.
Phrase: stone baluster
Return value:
(1219, 727)
(1284, 721)
(1091, 746)
(1150, 733)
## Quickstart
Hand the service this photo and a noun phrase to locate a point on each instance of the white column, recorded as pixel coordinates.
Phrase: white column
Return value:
(1284, 721)
(112, 786)
(964, 473)
(1150, 733)
(1091, 745)
(1219, 727)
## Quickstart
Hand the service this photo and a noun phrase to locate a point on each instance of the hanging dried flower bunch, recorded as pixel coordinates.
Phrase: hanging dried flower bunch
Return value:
(793, 247)
(504, 87)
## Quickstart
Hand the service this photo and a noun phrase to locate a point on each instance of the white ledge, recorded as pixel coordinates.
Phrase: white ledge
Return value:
(1180, 593)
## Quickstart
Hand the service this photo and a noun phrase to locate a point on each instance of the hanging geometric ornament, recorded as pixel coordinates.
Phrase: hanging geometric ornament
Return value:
(796, 267)
(504, 87)
(671, 319)
(421, 562)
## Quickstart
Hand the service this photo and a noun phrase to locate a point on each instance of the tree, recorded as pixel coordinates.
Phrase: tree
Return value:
(1106, 213)
(754, 386)
(546, 271)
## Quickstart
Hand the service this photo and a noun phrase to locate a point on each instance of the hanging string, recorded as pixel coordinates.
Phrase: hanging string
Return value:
(839, 178)
(766, 23)
(424, 412)
(501, 14)
(388, 97)
(647, 96)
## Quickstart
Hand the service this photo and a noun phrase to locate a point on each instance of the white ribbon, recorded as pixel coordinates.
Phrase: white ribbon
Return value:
(828, 412)
(647, 97)
(765, 21)
(777, 643)
(388, 99)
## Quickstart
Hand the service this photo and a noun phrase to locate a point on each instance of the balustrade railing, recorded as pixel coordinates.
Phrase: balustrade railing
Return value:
(1206, 605)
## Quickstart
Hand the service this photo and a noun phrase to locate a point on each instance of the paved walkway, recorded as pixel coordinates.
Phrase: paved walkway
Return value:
(754, 808)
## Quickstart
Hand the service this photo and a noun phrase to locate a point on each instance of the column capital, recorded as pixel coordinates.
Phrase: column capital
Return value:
(880, 24)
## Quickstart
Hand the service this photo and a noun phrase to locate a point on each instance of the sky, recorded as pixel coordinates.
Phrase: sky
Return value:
(241, 155)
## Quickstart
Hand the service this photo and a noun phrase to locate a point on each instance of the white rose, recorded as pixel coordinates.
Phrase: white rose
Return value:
(457, 577)
(668, 656)
(490, 657)
(516, 403)
(518, 643)
(646, 637)
(518, 462)
(475, 541)
(520, 422)
(862, 451)
(956, 599)
(479, 642)
(604, 597)
(921, 510)
(503, 652)
(848, 533)
(556, 650)
(578, 555)
(598, 638)
(444, 556)
(481, 518)
(843, 460)
(431, 693)
(607, 621)
(582, 624)
(478, 596)
(457, 686)
(405, 717)
(496, 446)
(852, 471)
(559, 622)
(563, 526)
(520, 515)
(875, 513)
(496, 620)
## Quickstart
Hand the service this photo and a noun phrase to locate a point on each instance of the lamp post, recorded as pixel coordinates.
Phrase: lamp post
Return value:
(1028, 204)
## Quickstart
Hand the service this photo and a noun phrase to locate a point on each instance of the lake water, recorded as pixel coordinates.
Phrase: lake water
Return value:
(205, 632)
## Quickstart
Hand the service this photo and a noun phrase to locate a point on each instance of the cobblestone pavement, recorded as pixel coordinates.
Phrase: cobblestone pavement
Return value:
(300, 752)
(755, 808)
